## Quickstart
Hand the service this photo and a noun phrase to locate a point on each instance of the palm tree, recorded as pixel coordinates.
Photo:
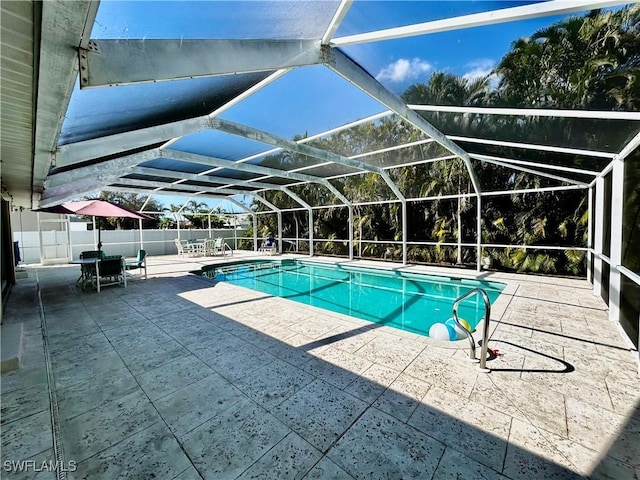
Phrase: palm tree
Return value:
(582, 62)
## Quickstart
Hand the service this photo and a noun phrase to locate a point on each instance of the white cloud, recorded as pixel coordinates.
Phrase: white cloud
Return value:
(481, 68)
(478, 69)
(403, 70)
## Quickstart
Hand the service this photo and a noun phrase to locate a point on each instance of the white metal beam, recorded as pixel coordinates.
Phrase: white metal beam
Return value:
(355, 123)
(111, 188)
(145, 184)
(629, 148)
(309, 215)
(247, 167)
(347, 126)
(555, 7)
(250, 91)
(615, 254)
(535, 164)
(533, 190)
(62, 193)
(483, 158)
(242, 167)
(159, 172)
(122, 62)
(392, 149)
(617, 222)
(103, 171)
(235, 100)
(53, 75)
(590, 235)
(82, 151)
(326, 133)
(355, 74)
(239, 204)
(335, 22)
(58, 196)
(149, 197)
(99, 147)
(598, 233)
(530, 112)
(270, 139)
(296, 198)
(264, 201)
(530, 146)
(336, 192)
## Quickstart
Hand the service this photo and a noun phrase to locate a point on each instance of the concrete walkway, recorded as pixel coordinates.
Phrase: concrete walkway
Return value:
(175, 377)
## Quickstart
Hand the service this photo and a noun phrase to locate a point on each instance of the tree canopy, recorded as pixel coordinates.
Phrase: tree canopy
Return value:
(587, 62)
(133, 201)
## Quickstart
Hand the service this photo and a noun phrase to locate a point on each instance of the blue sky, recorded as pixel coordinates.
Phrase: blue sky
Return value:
(313, 99)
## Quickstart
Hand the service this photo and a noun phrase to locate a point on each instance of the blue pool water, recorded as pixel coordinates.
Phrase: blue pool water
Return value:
(407, 301)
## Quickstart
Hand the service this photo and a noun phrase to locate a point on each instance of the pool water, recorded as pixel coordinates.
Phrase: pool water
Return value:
(407, 301)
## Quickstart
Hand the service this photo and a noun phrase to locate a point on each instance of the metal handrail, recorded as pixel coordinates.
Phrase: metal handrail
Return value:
(485, 330)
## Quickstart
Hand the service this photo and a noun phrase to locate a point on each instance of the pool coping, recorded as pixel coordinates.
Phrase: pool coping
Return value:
(498, 307)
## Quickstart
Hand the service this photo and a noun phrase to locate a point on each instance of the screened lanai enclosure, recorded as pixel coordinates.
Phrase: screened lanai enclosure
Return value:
(499, 135)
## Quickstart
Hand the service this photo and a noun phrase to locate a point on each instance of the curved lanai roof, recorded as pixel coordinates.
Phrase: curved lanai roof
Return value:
(197, 98)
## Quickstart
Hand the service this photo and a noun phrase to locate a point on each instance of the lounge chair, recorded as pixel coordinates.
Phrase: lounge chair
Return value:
(140, 263)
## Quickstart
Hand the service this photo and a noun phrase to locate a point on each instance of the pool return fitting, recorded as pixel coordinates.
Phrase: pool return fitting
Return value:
(485, 329)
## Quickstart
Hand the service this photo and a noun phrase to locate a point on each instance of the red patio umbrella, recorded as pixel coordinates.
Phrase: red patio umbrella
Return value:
(96, 208)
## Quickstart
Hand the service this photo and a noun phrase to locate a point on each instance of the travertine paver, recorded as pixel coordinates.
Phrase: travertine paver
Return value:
(320, 413)
(97, 393)
(403, 396)
(271, 384)
(291, 458)
(171, 376)
(149, 453)
(233, 440)
(386, 448)
(177, 377)
(372, 383)
(189, 407)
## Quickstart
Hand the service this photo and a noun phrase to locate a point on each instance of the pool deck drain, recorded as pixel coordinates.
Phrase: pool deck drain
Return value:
(178, 377)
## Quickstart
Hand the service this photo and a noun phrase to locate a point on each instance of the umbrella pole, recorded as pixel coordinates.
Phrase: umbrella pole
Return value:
(99, 239)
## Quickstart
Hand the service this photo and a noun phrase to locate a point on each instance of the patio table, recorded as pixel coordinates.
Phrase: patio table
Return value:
(85, 269)
(198, 247)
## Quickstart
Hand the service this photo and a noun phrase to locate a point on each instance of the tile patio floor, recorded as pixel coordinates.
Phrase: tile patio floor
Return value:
(175, 377)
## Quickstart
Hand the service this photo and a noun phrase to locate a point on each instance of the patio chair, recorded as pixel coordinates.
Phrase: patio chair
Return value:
(184, 247)
(91, 254)
(269, 245)
(210, 248)
(140, 263)
(88, 270)
(217, 246)
(110, 270)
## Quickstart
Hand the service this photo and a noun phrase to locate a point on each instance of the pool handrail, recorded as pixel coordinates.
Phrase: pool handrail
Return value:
(485, 329)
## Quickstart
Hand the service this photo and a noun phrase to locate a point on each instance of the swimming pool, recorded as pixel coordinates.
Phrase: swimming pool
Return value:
(408, 301)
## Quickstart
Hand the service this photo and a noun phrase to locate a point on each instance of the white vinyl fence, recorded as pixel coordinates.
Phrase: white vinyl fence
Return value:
(114, 242)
